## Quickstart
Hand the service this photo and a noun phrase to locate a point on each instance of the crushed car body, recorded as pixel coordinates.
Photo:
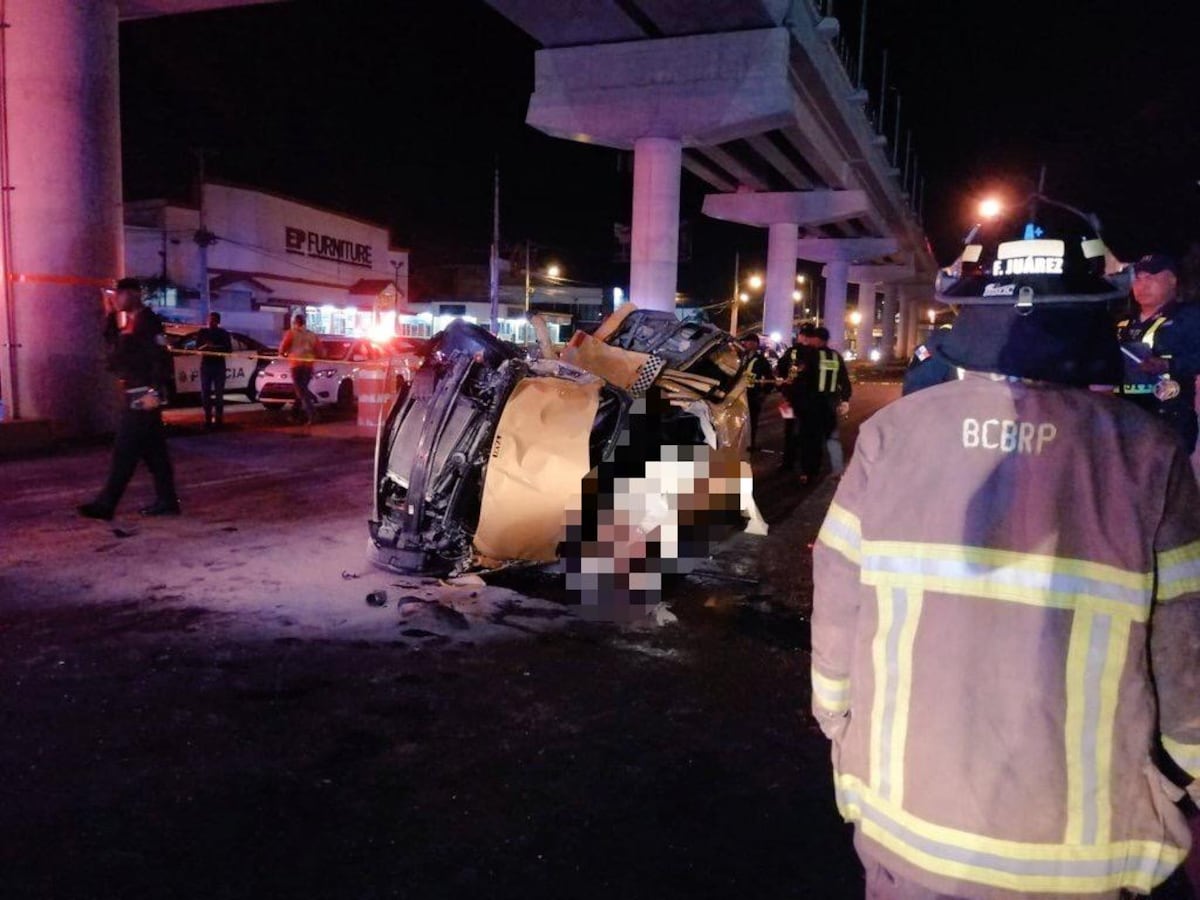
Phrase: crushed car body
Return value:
(620, 458)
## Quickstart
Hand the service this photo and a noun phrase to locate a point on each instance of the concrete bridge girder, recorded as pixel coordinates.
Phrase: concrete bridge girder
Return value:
(701, 90)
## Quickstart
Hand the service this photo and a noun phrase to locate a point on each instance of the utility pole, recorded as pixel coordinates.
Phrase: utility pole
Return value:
(526, 276)
(494, 262)
(862, 45)
(204, 239)
(896, 135)
(733, 315)
(883, 92)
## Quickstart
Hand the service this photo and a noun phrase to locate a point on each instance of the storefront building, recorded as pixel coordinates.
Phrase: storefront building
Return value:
(268, 258)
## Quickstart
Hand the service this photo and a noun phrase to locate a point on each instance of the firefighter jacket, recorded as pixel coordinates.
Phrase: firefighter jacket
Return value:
(982, 660)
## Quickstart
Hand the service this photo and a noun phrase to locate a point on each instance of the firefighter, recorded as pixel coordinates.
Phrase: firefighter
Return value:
(1161, 345)
(995, 667)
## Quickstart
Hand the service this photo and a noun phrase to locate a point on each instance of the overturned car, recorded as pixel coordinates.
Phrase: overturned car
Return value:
(620, 460)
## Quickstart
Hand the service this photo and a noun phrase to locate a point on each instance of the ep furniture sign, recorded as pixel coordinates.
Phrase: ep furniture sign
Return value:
(323, 246)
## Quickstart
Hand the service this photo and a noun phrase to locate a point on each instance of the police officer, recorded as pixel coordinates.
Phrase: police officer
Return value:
(833, 390)
(1006, 602)
(791, 363)
(216, 344)
(138, 357)
(1161, 345)
(761, 378)
(819, 385)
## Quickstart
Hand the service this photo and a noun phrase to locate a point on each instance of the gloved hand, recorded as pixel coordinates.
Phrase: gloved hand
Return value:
(1154, 365)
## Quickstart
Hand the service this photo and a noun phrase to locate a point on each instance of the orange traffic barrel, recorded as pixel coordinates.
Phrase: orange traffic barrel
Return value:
(371, 389)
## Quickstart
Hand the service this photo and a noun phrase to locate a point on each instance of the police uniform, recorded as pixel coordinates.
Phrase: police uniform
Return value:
(761, 381)
(138, 357)
(213, 367)
(1172, 334)
(927, 368)
(820, 384)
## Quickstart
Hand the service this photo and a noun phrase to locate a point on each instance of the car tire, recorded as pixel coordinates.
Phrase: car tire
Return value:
(345, 396)
(274, 408)
(252, 387)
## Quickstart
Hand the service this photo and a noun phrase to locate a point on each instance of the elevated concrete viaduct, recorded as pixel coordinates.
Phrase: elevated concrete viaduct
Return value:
(750, 97)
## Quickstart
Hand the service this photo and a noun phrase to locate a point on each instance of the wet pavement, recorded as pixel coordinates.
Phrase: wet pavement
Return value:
(208, 707)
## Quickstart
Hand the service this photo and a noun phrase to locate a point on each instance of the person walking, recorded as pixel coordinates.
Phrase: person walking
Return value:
(1161, 345)
(1007, 601)
(301, 347)
(138, 356)
(216, 345)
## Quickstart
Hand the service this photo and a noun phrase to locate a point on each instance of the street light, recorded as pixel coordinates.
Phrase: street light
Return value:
(797, 296)
(755, 282)
(800, 279)
(856, 318)
(554, 270)
(990, 207)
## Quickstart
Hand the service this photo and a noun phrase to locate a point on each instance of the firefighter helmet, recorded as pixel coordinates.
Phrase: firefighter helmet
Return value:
(1039, 252)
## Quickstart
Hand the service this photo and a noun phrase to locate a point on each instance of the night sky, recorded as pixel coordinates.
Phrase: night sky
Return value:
(398, 112)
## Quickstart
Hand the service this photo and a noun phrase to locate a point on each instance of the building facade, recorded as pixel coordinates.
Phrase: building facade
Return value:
(268, 257)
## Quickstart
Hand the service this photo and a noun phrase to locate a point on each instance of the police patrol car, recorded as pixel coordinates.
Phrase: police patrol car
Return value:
(242, 367)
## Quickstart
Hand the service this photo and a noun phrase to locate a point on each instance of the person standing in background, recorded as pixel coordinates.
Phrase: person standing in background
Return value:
(216, 345)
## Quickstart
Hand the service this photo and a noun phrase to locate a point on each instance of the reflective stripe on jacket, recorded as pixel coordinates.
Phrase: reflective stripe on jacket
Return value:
(1003, 566)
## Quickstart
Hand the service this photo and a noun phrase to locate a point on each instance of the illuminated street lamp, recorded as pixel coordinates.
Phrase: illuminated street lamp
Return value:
(755, 282)
(855, 318)
(554, 270)
(800, 279)
(990, 207)
(797, 296)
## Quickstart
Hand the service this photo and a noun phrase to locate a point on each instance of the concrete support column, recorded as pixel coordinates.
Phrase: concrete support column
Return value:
(891, 302)
(654, 256)
(836, 273)
(778, 306)
(912, 320)
(865, 338)
(63, 237)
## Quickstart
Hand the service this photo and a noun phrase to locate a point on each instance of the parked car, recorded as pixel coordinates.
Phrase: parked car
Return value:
(242, 368)
(340, 359)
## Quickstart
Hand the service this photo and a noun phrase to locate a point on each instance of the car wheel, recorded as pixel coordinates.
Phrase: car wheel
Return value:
(274, 408)
(345, 397)
(252, 387)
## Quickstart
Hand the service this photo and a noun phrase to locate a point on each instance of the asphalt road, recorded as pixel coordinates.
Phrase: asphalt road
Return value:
(206, 707)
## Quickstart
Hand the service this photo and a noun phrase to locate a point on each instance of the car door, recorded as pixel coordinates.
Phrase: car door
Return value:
(185, 361)
(239, 365)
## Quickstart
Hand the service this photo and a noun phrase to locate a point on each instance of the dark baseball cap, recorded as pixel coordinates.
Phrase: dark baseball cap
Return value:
(129, 284)
(808, 329)
(1153, 263)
